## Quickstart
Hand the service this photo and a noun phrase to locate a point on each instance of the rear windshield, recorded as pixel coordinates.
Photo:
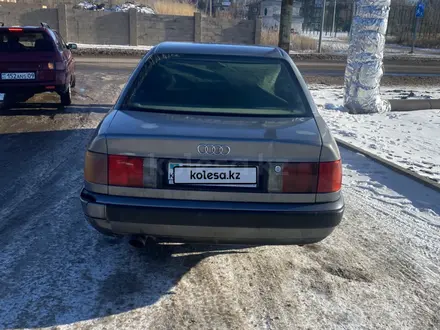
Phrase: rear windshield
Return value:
(12, 42)
(217, 85)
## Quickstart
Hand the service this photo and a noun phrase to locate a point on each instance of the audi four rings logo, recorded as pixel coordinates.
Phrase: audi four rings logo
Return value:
(213, 149)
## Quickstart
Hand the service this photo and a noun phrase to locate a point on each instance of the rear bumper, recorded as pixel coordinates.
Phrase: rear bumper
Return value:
(34, 87)
(212, 222)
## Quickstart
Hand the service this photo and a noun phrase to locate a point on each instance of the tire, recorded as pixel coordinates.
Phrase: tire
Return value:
(23, 97)
(66, 96)
(8, 101)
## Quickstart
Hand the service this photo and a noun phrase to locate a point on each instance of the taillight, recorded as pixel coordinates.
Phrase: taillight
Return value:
(125, 171)
(95, 168)
(305, 178)
(300, 177)
(330, 177)
(118, 170)
(15, 30)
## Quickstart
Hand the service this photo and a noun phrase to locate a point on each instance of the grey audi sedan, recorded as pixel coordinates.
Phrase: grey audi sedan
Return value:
(216, 144)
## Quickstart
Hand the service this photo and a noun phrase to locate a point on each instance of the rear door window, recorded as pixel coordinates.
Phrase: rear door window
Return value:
(24, 41)
(218, 85)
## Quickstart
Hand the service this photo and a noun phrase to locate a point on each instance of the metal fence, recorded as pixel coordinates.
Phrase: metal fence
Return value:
(401, 22)
(342, 16)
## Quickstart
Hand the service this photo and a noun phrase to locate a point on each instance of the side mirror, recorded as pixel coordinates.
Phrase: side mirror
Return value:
(72, 46)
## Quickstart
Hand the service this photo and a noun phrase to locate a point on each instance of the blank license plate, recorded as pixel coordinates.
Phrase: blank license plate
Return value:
(18, 76)
(209, 175)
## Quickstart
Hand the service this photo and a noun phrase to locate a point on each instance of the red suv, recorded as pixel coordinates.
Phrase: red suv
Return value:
(34, 59)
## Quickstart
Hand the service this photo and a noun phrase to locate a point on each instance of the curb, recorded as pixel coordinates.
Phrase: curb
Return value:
(394, 167)
(414, 105)
(98, 52)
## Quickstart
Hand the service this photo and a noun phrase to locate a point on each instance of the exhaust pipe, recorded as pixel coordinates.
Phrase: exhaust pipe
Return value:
(138, 241)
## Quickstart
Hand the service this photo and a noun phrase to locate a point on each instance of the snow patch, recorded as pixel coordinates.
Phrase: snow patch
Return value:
(409, 139)
(118, 47)
(331, 106)
(339, 45)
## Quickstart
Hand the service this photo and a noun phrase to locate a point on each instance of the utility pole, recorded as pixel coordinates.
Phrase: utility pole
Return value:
(334, 19)
(322, 26)
(210, 8)
(285, 25)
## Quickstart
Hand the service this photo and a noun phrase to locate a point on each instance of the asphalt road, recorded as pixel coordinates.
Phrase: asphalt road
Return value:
(310, 68)
(379, 270)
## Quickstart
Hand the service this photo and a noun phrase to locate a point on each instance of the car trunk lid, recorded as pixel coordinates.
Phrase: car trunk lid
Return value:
(15, 62)
(178, 136)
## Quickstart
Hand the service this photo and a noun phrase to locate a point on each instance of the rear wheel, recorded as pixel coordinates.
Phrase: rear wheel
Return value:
(9, 100)
(66, 96)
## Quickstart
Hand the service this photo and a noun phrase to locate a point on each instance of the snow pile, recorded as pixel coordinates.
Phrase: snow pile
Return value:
(409, 139)
(85, 5)
(89, 6)
(130, 5)
(112, 47)
(327, 35)
(334, 47)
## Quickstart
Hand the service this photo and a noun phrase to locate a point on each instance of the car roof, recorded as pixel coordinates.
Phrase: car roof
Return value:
(169, 47)
(38, 28)
(42, 27)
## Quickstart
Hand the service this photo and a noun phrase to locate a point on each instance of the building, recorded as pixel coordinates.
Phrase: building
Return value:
(269, 11)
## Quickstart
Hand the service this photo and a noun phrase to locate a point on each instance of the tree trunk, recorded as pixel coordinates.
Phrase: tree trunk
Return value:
(364, 69)
(285, 25)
